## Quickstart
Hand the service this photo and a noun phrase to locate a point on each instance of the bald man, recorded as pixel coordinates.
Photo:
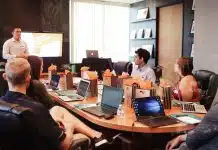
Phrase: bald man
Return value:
(15, 47)
(17, 74)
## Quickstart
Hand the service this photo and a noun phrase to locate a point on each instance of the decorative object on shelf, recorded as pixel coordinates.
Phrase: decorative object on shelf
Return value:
(143, 20)
(192, 51)
(147, 33)
(149, 48)
(133, 34)
(193, 27)
(142, 13)
(193, 5)
(140, 34)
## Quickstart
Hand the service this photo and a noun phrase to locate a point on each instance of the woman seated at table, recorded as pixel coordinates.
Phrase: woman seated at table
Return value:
(39, 93)
(187, 87)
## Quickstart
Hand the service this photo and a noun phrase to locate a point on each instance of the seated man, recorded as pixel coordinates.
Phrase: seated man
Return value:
(17, 73)
(141, 69)
(204, 136)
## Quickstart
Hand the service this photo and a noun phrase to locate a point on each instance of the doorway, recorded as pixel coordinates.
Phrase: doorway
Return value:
(170, 28)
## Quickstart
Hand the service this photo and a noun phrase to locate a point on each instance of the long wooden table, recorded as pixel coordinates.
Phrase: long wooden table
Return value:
(128, 123)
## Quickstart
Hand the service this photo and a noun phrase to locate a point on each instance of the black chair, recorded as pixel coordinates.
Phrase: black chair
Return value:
(3, 83)
(207, 84)
(16, 130)
(122, 66)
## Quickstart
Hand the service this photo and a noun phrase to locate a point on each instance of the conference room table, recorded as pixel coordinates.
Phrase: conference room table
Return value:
(128, 122)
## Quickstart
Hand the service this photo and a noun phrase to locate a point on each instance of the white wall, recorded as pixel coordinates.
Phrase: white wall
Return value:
(206, 35)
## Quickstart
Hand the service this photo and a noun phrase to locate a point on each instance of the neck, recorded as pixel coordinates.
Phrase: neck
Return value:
(17, 39)
(18, 88)
(141, 65)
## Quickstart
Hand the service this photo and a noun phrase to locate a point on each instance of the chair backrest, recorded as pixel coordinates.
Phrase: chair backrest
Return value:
(123, 66)
(17, 130)
(206, 82)
(11, 130)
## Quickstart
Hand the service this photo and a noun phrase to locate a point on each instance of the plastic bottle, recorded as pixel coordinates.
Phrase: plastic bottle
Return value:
(120, 111)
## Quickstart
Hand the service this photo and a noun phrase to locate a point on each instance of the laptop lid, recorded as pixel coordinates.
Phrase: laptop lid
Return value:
(148, 106)
(54, 80)
(83, 87)
(92, 53)
(111, 96)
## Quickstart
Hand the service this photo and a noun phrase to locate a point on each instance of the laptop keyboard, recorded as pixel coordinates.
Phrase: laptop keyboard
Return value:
(104, 110)
(158, 121)
(189, 107)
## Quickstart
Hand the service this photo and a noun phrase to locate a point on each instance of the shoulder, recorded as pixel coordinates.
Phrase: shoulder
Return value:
(8, 41)
(37, 86)
(36, 83)
(150, 70)
(188, 78)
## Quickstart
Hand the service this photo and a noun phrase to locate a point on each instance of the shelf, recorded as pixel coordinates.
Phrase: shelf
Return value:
(142, 20)
(144, 39)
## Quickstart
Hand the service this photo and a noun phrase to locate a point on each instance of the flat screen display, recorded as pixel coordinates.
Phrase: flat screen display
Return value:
(112, 96)
(148, 106)
(44, 44)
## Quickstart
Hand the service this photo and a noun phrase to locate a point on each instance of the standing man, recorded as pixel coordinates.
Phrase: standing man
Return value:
(15, 47)
(141, 69)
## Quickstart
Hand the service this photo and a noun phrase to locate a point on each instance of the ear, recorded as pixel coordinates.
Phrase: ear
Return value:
(4, 76)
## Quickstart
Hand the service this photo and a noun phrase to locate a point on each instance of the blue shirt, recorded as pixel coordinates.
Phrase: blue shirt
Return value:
(46, 129)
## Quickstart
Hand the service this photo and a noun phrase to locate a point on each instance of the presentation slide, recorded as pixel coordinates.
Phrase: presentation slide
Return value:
(43, 44)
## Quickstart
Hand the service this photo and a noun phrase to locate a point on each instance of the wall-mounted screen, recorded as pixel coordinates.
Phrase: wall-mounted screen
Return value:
(44, 44)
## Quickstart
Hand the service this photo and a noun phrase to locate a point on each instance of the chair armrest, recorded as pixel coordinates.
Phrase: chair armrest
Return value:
(206, 101)
(81, 144)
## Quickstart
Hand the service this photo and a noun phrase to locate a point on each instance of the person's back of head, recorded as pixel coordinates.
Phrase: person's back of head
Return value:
(185, 65)
(17, 71)
(143, 53)
(36, 65)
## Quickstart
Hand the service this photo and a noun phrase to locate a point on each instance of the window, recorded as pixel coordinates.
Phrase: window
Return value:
(100, 27)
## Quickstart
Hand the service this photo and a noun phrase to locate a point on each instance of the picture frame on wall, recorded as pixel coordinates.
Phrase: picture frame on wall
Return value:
(193, 27)
(142, 14)
(193, 5)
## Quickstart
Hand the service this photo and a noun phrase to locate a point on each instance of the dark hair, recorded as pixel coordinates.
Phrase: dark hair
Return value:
(186, 65)
(143, 53)
(35, 64)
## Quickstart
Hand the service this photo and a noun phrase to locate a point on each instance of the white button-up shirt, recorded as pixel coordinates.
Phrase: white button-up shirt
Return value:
(145, 73)
(13, 48)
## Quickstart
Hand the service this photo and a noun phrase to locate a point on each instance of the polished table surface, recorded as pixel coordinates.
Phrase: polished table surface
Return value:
(128, 122)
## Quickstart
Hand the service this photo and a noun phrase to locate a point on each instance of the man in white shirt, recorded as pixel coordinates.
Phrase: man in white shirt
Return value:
(15, 47)
(141, 69)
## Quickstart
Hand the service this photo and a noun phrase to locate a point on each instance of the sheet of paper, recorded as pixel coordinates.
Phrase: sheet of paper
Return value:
(188, 120)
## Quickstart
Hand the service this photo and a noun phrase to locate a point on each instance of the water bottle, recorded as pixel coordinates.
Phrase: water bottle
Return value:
(120, 112)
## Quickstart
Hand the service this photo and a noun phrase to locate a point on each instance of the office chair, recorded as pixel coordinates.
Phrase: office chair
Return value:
(123, 66)
(3, 83)
(16, 131)
(207, 84)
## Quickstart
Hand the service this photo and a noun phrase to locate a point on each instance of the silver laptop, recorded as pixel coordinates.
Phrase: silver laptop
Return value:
(75, 95)
(92, 53)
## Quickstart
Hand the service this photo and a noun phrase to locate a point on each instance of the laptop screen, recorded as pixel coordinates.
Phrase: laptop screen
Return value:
(92, 53)
(54, 80)
(83, 87)
(112, 96)
(148, 106)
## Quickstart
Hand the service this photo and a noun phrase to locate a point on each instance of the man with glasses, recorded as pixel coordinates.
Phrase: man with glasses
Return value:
(15, 47)
(141, 69)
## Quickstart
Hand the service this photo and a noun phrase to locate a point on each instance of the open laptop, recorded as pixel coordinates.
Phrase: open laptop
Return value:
(111, 99)
(75, 95)
(53, 84)
(150, 111)
(92, 53)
